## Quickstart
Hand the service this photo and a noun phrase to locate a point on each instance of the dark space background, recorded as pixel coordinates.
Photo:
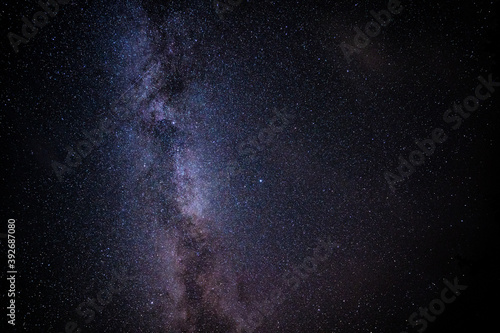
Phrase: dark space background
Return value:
(183, 88)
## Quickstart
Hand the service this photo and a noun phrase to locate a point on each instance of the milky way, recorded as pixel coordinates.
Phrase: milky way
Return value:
(175, 198)
(229, 160)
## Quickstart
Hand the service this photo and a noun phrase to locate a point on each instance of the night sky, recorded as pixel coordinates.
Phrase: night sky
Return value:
(250, 166)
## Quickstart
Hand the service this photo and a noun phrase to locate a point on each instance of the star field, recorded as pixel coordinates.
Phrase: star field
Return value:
(206, 166)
